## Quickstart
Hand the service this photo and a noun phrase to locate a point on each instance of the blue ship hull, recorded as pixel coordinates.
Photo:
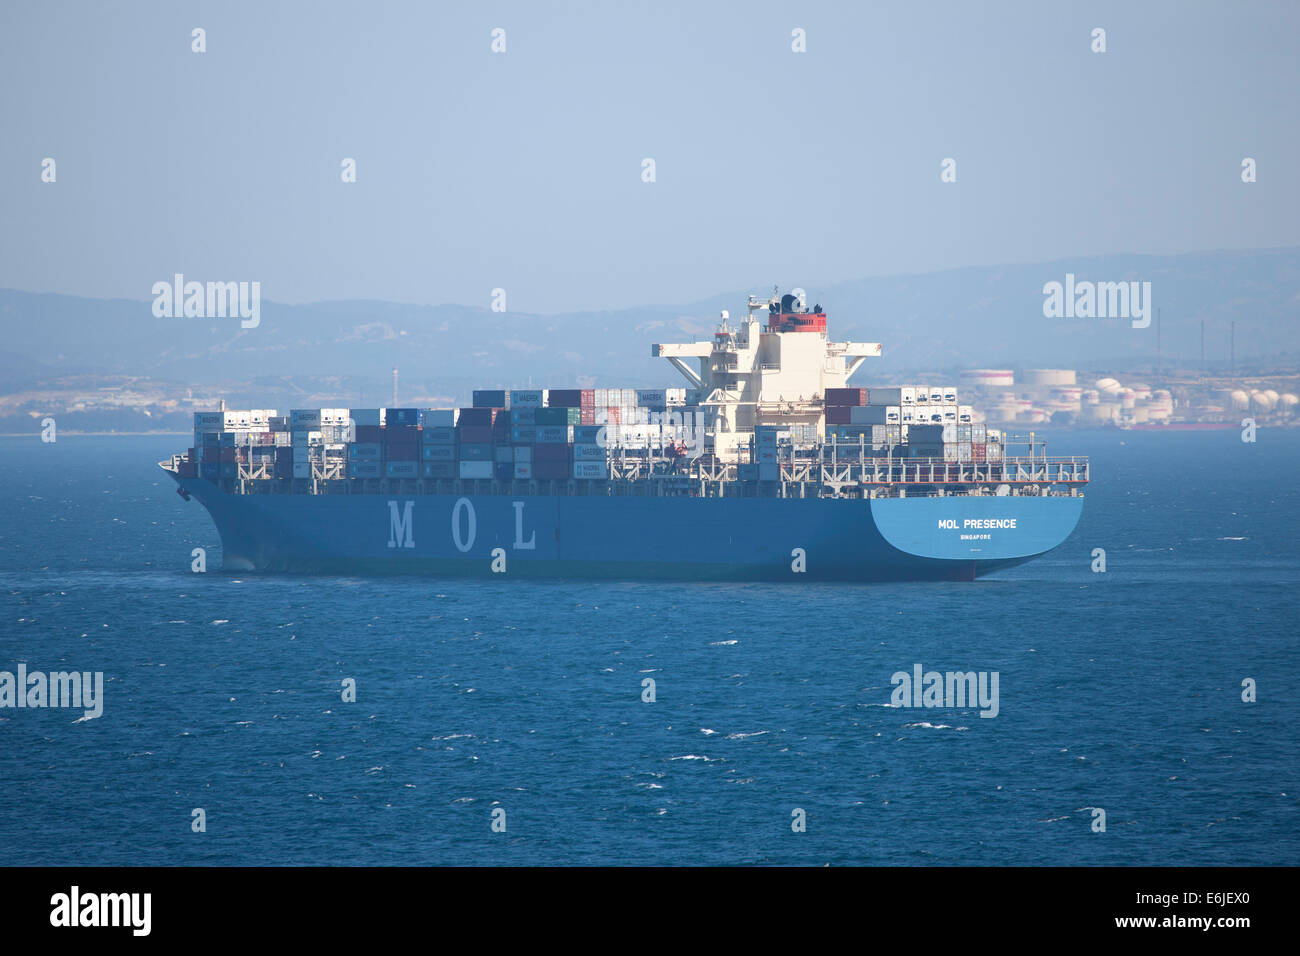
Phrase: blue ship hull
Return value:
(731, 539)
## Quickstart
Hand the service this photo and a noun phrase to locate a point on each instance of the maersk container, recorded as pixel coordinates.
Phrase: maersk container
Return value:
(491, 398)
(590, 469)
(551, 416)
(523, 470)
(476, 469)
(475, 452)
(440, 417)
(365, 469)
(503, 470)
(439, 469)
(524, 435)
(554, 434)
(404, 416)
(402, 469)
(769, 471)
(589, 453)
(438, 452)
(503, 453)
(527, 397)
(364, 452)
(215, 421)
(438, 435)
(301, 469)
(588, 434)
(370, 417)
(524, 416)
(651, 398)
(875, 414)
(898, 395)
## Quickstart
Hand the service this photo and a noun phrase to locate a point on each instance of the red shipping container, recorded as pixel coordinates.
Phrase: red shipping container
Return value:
(981, 452)
(551, 452)
(478, 417)
(402, 434)
(588, 415)
(228, 455)
(615, 414)
(588, 398)
(370, 434)
(846, 396)
(475, 434)
(567, 398)
(403, 452)
(838, 415)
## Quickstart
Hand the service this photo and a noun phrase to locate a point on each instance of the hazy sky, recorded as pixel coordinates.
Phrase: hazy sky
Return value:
(523, 170)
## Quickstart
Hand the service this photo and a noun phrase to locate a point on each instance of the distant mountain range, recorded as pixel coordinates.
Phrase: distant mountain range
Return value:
(961, 318)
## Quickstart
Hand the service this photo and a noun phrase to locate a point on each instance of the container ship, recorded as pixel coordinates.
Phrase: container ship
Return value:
(764, 466)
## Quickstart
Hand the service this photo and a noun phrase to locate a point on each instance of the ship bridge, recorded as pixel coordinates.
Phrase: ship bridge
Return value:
(775, 373)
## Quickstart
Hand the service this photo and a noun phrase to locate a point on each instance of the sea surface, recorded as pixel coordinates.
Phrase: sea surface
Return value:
(1119, 690)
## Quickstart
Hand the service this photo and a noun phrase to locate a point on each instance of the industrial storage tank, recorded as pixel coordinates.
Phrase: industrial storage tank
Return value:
(1047, 376)
(1261, 400)
(1091, 396)
(1288, 402)
(1108, 386)
(1272, 396)
(1239, 399)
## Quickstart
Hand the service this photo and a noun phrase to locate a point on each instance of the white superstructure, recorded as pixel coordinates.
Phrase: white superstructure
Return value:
(773, 374)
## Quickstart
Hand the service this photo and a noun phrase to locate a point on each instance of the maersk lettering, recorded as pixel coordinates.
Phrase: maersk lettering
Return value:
(951, 523)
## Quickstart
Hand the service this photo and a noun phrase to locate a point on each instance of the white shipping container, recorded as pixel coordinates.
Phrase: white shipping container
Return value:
(964, 413)
(950, 394)
(673, 396)
(936, 395)
(335, 416)
(476, 469)
(949, 414)
(910, 414)
(523, 453)
(949, 432)
(922, 394)
(602, 397)
(503, 453)
(307, 438)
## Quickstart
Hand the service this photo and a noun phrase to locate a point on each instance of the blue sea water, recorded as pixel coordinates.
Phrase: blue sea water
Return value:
(1120, 690)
